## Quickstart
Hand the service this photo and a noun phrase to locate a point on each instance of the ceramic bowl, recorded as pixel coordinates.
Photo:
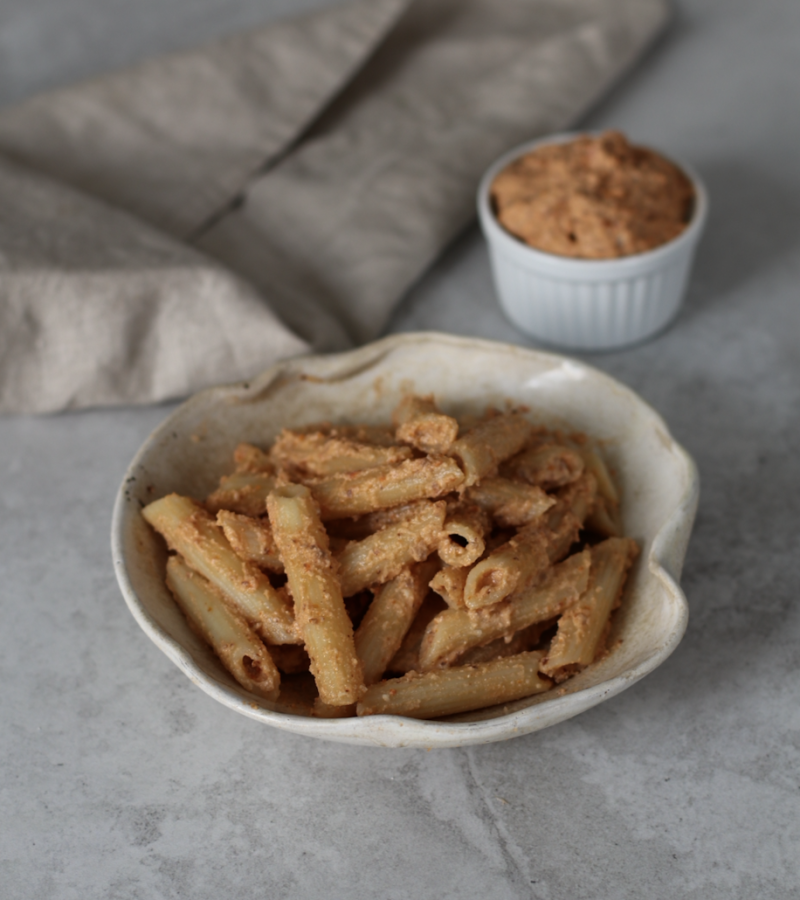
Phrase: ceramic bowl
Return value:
(588, 304)
(193, 447)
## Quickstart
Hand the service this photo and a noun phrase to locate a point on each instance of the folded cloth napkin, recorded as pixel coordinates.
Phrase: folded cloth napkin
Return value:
(196, 218)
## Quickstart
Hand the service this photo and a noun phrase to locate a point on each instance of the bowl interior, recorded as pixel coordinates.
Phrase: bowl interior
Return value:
(193, 447)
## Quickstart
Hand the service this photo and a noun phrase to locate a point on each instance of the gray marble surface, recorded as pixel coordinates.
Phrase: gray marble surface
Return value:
(121, 780)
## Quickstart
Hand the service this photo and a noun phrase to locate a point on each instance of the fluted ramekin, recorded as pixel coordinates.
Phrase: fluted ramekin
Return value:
(588, 304)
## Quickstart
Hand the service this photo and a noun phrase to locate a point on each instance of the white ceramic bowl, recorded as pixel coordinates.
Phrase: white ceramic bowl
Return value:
(193, 447)
(585, 303)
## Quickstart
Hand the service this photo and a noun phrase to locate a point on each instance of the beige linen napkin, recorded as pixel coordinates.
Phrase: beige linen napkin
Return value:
(195, 219)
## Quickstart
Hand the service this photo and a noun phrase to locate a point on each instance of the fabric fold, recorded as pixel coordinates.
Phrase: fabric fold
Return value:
(175, 139)
(109, 310)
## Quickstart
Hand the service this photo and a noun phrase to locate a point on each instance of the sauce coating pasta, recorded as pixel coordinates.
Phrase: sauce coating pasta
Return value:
(424, 569)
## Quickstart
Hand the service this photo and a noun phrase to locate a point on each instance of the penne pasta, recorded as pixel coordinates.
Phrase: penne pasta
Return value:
(321, 455)
(190, 531)
(511, 565)
(234, 642)
(381, 632)
(462, 541)
(456, 690)
(581, 628)
(419, 422)
(455, 631)
(511, 504)
(321, 615)
(489, 443)
(449, 585)
(450, 561)
(548, 465)
(595, 464)
(251, 539)
(565, 520)
(358, 528)
(522, 641)
(374, 521)
(387, 552)
(357, 493)
(378, 435)
(242, 492)
(407, 657)
(249, 458)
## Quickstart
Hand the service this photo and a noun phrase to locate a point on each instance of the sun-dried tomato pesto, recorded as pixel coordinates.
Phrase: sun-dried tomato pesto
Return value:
(593, 198)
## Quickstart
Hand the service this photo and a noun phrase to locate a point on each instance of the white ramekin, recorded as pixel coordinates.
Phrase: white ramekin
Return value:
(581, 303)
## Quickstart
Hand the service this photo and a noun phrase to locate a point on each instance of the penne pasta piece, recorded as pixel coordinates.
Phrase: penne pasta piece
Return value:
(527, 555)
(548, 465)
(449, 585)
(342, 531)
(455, 631)
(419, 422)
(582, 626)
(242, 492)
(557, 531)
(595, 464)
(191, 531)
(321, 615)
(249, 458)
(520, 642)
(321, 455)
(379, 435)
(374, 521)
(489, 443)
(496, 577)
(565, 520)
(363, 526)
(580, 496)
(389, 617)
(511, 504)
(455, 690)
(251, 539)
(384, 554)
(357, 493)
(232, 639)
(462, 541)
(407, 657)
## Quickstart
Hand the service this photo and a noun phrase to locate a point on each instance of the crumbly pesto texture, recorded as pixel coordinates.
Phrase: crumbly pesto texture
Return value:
(593, 198)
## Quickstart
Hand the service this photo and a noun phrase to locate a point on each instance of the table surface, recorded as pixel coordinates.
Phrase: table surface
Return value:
(122, 780)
